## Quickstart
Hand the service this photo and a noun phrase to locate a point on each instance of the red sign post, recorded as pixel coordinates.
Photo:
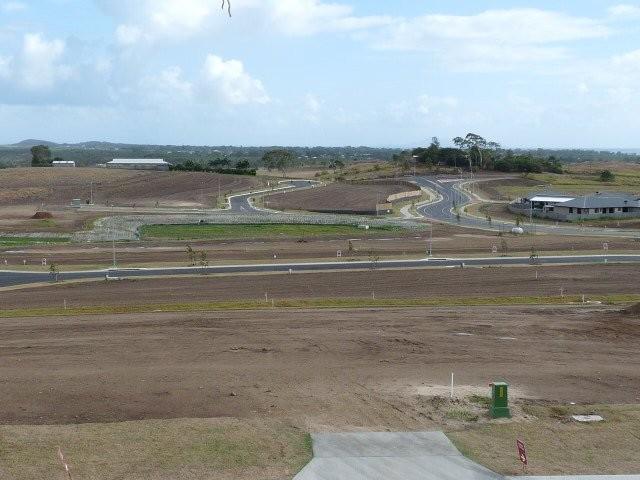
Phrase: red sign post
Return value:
(522, 453)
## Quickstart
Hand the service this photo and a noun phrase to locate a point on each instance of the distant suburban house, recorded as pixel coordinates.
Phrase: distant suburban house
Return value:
(570, 208)
(139, 164)
(63, 163)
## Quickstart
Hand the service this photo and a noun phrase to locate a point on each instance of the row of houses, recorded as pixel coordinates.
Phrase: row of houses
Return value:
(125, 163)
(567, 208)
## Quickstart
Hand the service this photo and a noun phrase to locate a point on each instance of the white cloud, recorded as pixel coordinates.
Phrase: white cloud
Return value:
(492, 39)
(40, 62)
(166, 89)
(128, 35)
(151, 20)
(308, 17)
(232, 83)
(10, 7)
(625, 12)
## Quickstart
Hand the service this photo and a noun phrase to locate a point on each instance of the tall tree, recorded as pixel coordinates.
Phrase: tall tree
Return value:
(280, 159)
(40, 156)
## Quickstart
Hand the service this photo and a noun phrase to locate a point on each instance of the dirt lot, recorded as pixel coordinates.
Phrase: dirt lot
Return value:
(455, 282)
(50, 186)
(319, 369)
(336, 197)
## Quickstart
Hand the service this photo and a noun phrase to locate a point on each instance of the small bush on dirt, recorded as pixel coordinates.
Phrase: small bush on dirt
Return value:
(480, 400)
(462, 415)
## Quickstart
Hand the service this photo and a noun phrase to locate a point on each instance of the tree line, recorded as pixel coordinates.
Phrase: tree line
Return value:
(475, 153)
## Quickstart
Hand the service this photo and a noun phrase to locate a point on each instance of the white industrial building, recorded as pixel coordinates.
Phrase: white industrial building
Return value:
(139, 164)
(63, 163)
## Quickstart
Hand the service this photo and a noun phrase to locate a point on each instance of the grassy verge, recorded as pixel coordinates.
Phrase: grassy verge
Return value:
(6, 241)
(239, 231)
(155, 449)
(316, 303)
(555, 444)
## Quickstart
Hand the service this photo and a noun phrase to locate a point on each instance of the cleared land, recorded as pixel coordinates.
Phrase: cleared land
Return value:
(392, 284)
(57, 186)
(336, 197)
(240, 231)
(276, 371)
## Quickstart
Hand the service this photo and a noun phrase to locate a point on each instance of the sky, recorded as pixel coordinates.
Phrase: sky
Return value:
(314, 72)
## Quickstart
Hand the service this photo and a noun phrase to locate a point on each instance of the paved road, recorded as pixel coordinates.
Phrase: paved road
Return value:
(12, 278)
(242, 203)
(453, 196)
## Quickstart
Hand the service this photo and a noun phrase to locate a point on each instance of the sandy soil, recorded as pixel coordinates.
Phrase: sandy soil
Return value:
(425, 283)
(319, 369)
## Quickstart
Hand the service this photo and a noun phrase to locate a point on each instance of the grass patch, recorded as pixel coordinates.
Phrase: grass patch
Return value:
(481, 400)
(310, 303)
(575, 183)
(556, 445)
(239, 231)
(26, 241)
(462, 415)
(158, 449)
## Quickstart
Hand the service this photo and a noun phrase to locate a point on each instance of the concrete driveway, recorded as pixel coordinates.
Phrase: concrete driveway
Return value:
(389, 456)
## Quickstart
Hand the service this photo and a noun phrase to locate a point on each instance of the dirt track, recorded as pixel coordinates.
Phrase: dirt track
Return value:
(317, 369)
(426, 283)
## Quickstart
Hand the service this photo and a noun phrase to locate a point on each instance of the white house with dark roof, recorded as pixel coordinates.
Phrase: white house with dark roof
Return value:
(571, 208)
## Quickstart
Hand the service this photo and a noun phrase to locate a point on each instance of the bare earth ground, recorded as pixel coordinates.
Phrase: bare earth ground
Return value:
(34, 186)
(320, 370)
(416, 283)
(447, 241)
(335, 197)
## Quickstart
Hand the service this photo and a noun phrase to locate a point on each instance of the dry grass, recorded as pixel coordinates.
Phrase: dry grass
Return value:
(556, 445)
(155, 449)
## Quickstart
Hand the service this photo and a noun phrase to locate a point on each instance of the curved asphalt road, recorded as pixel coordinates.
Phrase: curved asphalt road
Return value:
(452, 195)
(13, 278)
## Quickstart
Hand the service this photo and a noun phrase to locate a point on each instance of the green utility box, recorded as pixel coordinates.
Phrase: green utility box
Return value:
(500, 400)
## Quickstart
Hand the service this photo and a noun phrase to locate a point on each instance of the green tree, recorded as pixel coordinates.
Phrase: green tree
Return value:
(40, 156)
(607, 176)
(281, 160)
(243, 165)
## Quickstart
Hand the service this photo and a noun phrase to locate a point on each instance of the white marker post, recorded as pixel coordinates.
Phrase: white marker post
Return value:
(451, 392)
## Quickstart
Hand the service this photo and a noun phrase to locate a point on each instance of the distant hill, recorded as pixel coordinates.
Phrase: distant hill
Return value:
(32, 143)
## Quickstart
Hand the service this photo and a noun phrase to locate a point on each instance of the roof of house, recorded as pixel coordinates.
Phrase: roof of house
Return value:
(138, 161)
(602, 200)
(549, 196)
(545, 198)
(63, 162)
